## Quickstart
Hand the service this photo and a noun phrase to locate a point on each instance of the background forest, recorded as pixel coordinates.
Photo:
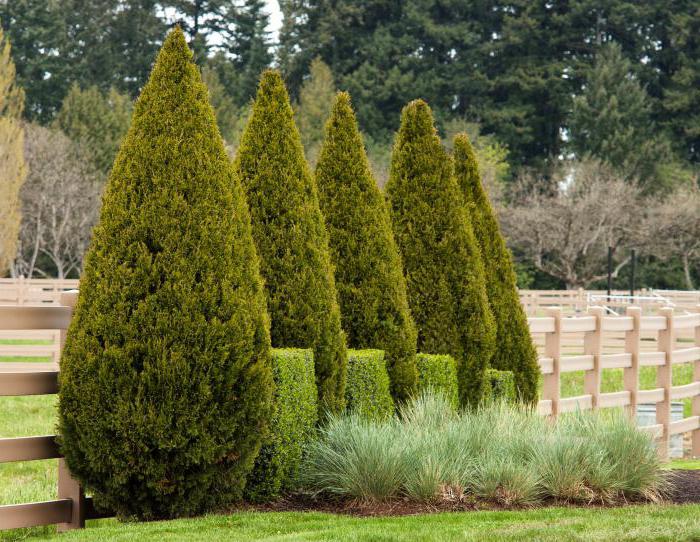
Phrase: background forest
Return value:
(585, 114)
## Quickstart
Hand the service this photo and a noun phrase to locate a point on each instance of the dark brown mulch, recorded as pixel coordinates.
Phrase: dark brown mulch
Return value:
(686, 486)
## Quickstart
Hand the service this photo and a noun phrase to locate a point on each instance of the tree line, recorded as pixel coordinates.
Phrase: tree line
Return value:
(543, 89)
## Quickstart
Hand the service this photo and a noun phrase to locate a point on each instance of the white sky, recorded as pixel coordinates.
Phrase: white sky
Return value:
(273, 8)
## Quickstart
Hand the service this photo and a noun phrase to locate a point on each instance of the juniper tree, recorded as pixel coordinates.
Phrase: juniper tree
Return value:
(442, 264)
(515, 351)
(166, 379)
(368, 272)
(292, 240)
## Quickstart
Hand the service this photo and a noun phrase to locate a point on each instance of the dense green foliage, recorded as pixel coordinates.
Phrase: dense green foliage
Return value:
(292, 423)
(166, 384)
(501, 386)
(367, 391)
(96, 122)
(442, 261)
(437, 373)
(612, 121)
(498, 453)
(292, 240)
(474, 60)
(368, 273)
(515, 351)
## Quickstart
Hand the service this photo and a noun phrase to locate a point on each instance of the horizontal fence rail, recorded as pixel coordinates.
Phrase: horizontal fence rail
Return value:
(590, 342)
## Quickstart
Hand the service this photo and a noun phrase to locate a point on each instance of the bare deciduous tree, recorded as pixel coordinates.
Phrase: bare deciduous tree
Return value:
(674, 229)
(60, 204)
(567, 234)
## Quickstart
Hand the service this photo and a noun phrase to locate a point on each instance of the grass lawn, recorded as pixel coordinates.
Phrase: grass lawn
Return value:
(638, 523)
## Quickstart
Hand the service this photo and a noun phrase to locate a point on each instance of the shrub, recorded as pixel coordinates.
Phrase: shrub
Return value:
(367, 391)
(368, 273)
(291, 239)
(442, 263)
(439, 374)
(500, 386)
(515, 352)
(166, 383)
(292, 424)
(498, 452)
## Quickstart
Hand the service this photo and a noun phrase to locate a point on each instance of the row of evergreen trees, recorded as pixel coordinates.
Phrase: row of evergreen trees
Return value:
(199, 266)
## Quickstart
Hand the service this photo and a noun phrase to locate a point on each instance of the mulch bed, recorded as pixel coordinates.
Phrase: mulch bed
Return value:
(686, 486)
(685, 490)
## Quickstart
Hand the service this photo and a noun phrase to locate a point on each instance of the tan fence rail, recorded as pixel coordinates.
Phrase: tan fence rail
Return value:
(71, 508)
(536, 302)
(23, 291)
(589, 343)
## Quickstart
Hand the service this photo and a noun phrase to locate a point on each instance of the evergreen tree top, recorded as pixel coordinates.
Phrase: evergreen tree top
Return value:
(417, 121)
(467, 169)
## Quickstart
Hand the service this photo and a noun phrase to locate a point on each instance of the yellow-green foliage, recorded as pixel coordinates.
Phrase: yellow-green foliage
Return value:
(291, 238)
(12, 167)
(166, 384)
(292, 425)
(441, 258)
(438, 373)
(368, 274)
(501, 386)
(515, 351)
(367, 392)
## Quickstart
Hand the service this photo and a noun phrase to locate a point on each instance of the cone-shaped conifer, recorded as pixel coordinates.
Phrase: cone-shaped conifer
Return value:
(166, 382)
(515, 351)
(292, 240)
(442, 264)
(368, 273)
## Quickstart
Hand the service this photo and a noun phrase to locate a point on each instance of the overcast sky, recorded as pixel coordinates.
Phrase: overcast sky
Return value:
(273, 9)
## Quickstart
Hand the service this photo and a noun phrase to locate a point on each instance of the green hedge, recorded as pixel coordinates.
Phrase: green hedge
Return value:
(500, 385)
(367, 388)
(293, 421)
(438, 372)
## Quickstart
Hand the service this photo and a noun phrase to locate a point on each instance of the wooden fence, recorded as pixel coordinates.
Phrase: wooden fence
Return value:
(589, 343)
(23, 291)
(71, 508)
(599, 341)
(575, 301)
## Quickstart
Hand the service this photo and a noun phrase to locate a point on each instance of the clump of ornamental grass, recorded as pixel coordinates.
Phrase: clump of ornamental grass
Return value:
(499, 452)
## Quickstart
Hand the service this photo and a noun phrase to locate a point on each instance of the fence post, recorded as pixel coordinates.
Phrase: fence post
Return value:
(633, 339)
(664, 379)
(69, 488)
(592, 345)
(695, 446)
(551, 384)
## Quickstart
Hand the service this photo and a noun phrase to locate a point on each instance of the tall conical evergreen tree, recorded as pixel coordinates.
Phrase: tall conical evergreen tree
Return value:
(292, 240)
(442, 263)
(368, 272)
(166, 379)
(515, 350)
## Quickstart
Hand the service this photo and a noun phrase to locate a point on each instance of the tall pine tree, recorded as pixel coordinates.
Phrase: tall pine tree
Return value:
(292, 240)
(368, 272)
(442, 261)
(169, 341)
(515, 350)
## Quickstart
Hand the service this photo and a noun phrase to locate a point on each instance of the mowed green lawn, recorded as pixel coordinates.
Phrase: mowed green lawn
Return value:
(36, 481)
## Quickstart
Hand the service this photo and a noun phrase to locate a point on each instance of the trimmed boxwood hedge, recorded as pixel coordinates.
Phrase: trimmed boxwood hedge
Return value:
(293, 420)
(500, 385)
(438, 372)
(367, 391)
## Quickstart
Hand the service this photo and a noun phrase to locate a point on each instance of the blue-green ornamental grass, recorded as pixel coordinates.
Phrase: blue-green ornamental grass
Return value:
(499, 453)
